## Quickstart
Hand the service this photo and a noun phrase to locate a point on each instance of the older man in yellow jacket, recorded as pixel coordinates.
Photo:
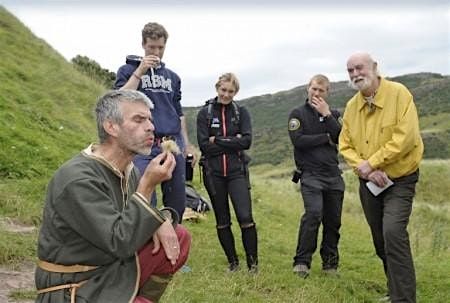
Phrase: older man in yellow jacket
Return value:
(380, 140)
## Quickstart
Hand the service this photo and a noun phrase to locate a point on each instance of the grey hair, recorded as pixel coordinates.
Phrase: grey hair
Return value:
(107, 108)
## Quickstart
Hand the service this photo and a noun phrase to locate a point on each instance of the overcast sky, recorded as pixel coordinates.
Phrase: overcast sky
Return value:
(270, 45)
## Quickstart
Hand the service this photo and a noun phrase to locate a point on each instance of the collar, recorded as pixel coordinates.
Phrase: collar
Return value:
(89, 153)
(378, 99)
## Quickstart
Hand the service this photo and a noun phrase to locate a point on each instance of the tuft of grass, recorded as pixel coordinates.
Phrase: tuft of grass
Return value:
(22, 199)
(16, 248)
(22, 294)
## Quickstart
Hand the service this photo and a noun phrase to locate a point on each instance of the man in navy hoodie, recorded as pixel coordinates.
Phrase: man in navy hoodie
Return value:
(150, 76)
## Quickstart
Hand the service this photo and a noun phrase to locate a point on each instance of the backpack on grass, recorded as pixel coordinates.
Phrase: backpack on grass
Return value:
(196, 202)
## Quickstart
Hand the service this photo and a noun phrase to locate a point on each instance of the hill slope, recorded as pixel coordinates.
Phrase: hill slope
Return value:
(270, 113)
(45, 104)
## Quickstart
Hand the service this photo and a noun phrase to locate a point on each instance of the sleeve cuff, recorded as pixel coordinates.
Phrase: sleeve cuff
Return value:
(153, 211)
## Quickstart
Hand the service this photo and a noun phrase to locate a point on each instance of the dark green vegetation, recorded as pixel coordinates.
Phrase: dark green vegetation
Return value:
(45, 118)
(94, 71)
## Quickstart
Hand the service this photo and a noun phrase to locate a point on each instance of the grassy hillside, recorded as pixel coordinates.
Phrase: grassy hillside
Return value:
(270, 113)
(45, 104)
(45, 116)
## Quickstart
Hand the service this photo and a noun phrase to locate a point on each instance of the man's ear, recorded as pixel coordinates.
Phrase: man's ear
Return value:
(111, 128)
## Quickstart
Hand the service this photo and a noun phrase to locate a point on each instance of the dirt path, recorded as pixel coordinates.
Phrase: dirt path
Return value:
(18, 278)
(21, 278)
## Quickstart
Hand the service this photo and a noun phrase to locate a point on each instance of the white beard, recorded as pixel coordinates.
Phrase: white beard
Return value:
(360, 85)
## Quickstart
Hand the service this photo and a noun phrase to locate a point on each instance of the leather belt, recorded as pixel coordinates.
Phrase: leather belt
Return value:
(57, 268)
(52, 267)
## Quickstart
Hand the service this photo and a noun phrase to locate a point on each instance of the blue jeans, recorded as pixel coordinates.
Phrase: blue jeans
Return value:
(173, 190)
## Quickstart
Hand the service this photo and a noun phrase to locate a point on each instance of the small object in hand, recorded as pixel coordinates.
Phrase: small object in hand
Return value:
(170, 145)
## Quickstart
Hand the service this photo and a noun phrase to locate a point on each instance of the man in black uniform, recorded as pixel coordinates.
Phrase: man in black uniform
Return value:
(314, 130)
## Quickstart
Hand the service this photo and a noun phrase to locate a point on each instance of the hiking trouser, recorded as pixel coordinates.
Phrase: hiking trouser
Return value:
(237, 188)
(321, 206)
(388, 217)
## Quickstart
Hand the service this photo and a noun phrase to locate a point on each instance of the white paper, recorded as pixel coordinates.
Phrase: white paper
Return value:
(376, 190)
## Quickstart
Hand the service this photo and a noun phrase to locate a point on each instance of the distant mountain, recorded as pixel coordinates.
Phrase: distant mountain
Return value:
(46, 108)
(270, 114)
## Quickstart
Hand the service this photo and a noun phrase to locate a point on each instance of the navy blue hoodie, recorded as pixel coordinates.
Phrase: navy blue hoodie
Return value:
(164, 91)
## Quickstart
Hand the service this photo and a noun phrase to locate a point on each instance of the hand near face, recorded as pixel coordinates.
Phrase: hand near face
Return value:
(158, 170)
(319, 104)
(147, 62)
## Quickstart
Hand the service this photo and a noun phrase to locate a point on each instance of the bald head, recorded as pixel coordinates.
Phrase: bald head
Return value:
(361, 57)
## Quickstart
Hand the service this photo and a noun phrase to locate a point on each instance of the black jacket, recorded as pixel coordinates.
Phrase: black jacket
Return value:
(225, 157)
(315, 138)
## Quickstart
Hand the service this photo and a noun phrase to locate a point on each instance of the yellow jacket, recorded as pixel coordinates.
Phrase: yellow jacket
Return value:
(388, 138)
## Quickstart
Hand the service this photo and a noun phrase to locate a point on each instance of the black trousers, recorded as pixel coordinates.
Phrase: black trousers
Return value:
(237, 188)
(322, 199)
(388, 216)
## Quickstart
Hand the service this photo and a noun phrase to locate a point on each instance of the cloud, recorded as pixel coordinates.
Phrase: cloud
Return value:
(271, 47)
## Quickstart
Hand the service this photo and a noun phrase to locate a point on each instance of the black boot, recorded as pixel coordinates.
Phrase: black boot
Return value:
(154, 287)
(233, 266)
(250, 242)
(226, 240)
(252, 264)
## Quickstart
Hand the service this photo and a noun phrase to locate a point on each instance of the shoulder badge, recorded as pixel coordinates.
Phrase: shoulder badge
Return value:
(294, 124)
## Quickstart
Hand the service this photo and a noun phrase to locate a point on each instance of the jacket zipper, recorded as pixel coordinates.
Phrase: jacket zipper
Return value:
(224, 130)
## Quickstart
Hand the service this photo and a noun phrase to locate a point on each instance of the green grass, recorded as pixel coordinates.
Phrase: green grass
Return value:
(277, 208)
(45, 104)
(23, 294)
(16, 248)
